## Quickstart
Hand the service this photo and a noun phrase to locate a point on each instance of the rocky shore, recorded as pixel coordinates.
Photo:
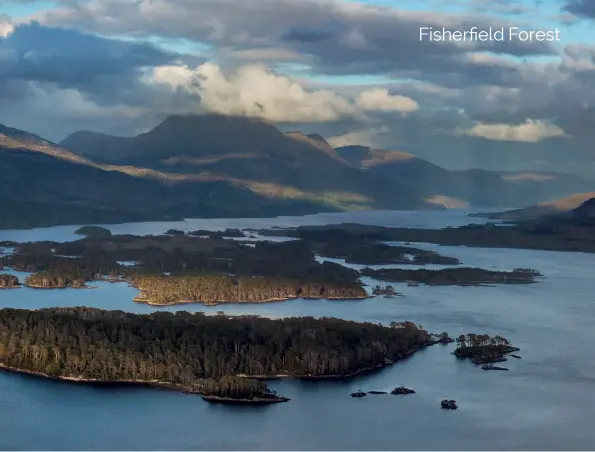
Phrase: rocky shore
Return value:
(241, 401)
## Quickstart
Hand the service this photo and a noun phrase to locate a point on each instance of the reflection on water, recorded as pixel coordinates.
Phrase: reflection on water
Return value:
(546, 401)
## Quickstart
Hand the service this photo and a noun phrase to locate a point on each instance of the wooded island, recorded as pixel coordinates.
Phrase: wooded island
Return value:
(210, 355)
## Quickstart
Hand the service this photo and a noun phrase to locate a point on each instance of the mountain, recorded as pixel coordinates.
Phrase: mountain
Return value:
(553, 207)
(575, 226)
(477, 187)
(254, 154)
(547, 185)
(44, 184)
(586, 210)
(100, 147)
(21, 137)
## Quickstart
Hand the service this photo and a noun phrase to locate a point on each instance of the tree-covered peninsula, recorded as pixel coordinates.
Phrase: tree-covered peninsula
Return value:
(454, 276)
(568, 232)
(210, 355)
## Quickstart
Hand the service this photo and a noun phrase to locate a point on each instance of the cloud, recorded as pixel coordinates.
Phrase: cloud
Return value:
(338, 37)
(67, 75)
(379, 99)
(255, 90)
(456, 86)
(6, 26)
(511, 7)
(70, 58)
(531, 131)
(581, 8)
(370, 137)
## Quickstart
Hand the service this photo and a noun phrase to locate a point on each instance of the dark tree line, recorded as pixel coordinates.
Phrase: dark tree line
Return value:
(459, 275)
(187, 349)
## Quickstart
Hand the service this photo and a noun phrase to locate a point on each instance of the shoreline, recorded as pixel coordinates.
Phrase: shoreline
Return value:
(357, 373)
(31, 286)
(253, 401)
(149, 302)
(155, 383)
(161, 385)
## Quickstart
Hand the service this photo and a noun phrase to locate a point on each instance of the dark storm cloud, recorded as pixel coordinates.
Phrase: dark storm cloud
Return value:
(76, 78)
(582, 8)
(73, 59)
(340, 38)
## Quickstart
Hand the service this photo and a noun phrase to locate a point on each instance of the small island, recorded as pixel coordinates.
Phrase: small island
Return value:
(483, 349)
(235, 233)
(9, 281)
(174, 232)
(443, 338)
(463, 276)
(402, 390)
(448, 404)
(387, 291)
(49, 280)
(359, 394)
(93, 231)
(234, 390)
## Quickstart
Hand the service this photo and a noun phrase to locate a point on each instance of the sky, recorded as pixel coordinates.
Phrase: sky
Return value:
(357, 72)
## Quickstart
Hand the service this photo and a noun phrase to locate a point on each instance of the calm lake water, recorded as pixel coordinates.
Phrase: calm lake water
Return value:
(545, 402)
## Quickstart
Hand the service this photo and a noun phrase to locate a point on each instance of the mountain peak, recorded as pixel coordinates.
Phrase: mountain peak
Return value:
(23, 137)
(316, 141)
(586, 209)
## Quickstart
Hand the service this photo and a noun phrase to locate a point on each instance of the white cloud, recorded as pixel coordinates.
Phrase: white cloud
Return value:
(6, 26)
(255, 90)
(169, 75)
(379, 99)
(369, 138)
(531, 131)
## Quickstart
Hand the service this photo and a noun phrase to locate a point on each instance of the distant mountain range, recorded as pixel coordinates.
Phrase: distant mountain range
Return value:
(576, 225)
(553, 207)
(221, 166)
(475, 187)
